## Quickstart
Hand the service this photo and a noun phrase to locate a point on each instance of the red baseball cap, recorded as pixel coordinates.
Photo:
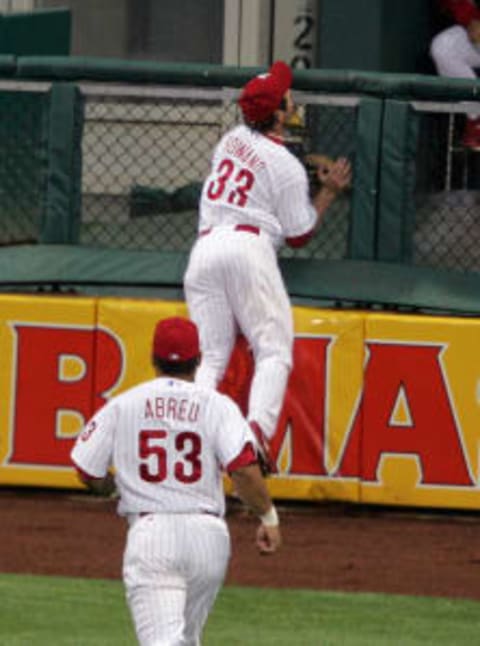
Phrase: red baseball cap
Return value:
(263, 94)
(176, 339)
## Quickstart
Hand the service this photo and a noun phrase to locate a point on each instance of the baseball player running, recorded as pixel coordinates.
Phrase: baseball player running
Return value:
(166, 440)
(255, 198)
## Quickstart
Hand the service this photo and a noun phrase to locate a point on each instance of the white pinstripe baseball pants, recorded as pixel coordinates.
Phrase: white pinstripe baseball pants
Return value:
(173, 567)
(233, 280)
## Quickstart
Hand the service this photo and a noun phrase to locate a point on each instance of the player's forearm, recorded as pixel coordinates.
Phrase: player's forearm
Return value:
(250, 486)
(322, 201)
(334, 179)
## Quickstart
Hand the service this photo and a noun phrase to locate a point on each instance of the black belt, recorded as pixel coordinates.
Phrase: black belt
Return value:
(250, 228)
(142, 514)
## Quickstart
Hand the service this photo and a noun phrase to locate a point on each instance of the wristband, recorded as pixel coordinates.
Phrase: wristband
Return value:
(270, 518)
(333, 189)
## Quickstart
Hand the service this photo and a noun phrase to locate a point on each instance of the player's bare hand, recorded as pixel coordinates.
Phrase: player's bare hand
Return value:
(336, 176)
(269, 539)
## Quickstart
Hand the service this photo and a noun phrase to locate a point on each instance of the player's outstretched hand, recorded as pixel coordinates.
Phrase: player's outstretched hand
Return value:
(269, 539)
(337, 176)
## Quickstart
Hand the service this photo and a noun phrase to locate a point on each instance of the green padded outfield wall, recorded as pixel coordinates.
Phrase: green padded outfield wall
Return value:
(40, 33)
(41, 144)
(40, 173)
(24, 119)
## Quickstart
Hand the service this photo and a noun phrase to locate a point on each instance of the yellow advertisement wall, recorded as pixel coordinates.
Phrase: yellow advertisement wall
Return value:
(380, 408)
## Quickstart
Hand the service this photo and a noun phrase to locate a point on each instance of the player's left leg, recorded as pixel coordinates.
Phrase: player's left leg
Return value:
(264, 314)
(156, 590)
(208, 549)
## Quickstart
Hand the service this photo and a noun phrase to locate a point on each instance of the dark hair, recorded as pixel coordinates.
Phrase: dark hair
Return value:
(176, 367)
(267, 124)
(261, 126)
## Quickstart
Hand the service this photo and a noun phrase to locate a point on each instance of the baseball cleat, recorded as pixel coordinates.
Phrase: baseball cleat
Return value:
(266, 463)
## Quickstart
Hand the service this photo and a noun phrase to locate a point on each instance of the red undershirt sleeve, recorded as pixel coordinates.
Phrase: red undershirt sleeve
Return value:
(245, 458)
(299, 241)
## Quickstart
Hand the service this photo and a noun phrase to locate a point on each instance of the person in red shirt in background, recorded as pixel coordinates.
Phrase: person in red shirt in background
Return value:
(456, 53)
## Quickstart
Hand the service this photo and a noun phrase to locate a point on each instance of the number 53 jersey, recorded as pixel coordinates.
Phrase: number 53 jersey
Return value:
(255, 180)
(168, 441)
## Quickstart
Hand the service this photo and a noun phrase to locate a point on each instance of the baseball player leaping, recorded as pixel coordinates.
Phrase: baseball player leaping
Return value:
(255, 198)
(166, 441)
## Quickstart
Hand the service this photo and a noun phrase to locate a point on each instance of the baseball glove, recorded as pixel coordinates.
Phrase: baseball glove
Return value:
(335, 174)
(317, 166)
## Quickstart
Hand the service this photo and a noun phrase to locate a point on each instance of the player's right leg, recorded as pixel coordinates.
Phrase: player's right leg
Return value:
(148, 607)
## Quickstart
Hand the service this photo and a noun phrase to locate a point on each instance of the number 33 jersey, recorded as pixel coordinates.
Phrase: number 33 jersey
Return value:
(167, 440)
(255, 180)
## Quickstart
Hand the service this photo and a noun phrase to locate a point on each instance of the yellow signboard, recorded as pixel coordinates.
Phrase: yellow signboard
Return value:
(380, 408)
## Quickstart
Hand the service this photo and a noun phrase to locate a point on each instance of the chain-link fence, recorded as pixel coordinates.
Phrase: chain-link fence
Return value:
(146, 153)
(329, 128)
(144, 157)
(447, 194)
(146, 150)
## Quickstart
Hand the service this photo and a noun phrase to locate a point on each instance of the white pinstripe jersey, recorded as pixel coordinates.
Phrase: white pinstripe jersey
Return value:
(255, 180)
(167, 440)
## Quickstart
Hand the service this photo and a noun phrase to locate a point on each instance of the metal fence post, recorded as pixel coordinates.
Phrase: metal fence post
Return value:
(364, 199)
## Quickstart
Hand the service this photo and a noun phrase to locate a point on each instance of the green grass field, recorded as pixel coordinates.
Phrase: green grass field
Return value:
(54, 611)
